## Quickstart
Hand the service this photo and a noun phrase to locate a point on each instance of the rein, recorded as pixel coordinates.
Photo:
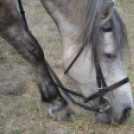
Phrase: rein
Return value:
(22, 12)
(103, 88)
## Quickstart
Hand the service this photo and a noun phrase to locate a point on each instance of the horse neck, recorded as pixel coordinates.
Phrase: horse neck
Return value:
(69, 19)
(65, 10)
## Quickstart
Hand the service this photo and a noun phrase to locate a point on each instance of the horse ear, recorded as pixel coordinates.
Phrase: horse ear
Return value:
(106, 12)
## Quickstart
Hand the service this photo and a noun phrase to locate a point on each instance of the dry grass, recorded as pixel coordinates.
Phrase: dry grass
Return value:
(21, 111)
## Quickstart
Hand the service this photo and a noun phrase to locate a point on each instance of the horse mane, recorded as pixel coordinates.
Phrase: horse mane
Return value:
(87, 11)
(92, 33)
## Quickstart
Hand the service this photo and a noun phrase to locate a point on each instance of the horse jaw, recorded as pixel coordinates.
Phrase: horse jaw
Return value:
(83, 73)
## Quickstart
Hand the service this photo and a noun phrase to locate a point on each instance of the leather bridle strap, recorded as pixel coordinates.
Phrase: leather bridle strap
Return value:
(76, 57)
(22, 12)
(67, 92)
(109, 29)
(99, 75)
(108, 89)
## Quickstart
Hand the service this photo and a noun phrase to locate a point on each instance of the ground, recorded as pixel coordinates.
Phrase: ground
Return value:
(21, 110)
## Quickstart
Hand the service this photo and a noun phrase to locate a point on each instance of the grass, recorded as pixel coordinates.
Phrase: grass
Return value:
(21, 111)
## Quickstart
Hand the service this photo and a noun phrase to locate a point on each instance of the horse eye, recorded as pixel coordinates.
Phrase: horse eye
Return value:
(110, 56)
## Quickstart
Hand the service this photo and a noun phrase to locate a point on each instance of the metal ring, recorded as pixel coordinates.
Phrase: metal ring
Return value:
(107, 107)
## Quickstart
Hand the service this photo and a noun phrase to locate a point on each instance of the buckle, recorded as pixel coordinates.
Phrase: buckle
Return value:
(106, 101)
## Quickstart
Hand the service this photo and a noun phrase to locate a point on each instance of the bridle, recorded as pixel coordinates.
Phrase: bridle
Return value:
(100, 80)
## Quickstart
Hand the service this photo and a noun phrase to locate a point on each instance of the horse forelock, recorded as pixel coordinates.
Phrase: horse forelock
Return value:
(92, 34)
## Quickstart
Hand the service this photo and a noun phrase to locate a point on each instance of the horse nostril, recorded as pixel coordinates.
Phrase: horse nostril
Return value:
(126, 114)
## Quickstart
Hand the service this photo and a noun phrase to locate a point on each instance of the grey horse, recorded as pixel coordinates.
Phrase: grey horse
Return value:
(78, 22)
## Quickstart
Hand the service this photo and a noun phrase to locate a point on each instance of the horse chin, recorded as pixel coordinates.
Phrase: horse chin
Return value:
(109, 118)
(103, 117)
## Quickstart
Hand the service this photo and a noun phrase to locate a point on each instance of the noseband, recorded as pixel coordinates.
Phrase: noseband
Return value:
(102, 86)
